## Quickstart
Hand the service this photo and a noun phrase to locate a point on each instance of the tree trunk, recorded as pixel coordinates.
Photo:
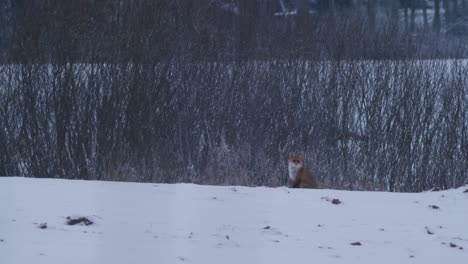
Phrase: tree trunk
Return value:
(248, 13)
(425, 17)
(455, 8)
(406, 19)
(394, 12)
(436, 21)
(371, 12)
(447, 10)
(302, 7)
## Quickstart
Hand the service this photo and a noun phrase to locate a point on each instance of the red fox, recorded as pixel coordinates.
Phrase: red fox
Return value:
(299, 175)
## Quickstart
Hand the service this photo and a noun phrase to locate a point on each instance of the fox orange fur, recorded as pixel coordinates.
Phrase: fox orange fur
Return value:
(299, 175)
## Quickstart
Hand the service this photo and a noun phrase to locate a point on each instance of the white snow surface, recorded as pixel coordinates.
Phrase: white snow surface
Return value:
(187, 223)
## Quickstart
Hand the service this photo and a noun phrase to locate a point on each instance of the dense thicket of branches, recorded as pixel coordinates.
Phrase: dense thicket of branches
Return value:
(377, 125)
(177, 90)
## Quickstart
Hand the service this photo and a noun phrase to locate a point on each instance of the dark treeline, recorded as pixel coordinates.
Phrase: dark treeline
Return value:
(373, 125)
(220, 92)
(225, 30)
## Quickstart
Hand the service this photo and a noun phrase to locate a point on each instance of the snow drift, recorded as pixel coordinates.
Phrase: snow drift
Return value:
(185, 223)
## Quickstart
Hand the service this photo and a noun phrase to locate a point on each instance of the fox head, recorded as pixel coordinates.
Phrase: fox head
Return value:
(295, 162)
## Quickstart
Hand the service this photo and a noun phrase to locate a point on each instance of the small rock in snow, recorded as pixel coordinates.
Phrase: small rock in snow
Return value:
(43, 225)
(429, 231)
(227, 237)
(357, 243)
(466, 191)
(434, 207)
(267, 227)
(1, 240)
(336, 201)
(452, 245)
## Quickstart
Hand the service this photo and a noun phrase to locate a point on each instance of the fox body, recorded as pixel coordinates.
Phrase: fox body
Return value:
(299, 175)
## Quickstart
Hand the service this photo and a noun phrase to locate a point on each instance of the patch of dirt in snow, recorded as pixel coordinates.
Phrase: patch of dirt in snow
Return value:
(453, 245)
(331, 200)
(79, 221)
(274, 232)
(183, 259)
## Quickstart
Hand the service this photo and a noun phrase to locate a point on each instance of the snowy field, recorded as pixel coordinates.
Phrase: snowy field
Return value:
(185, 223)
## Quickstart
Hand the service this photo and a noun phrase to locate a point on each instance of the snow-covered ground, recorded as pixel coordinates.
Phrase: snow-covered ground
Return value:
(185, 223)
